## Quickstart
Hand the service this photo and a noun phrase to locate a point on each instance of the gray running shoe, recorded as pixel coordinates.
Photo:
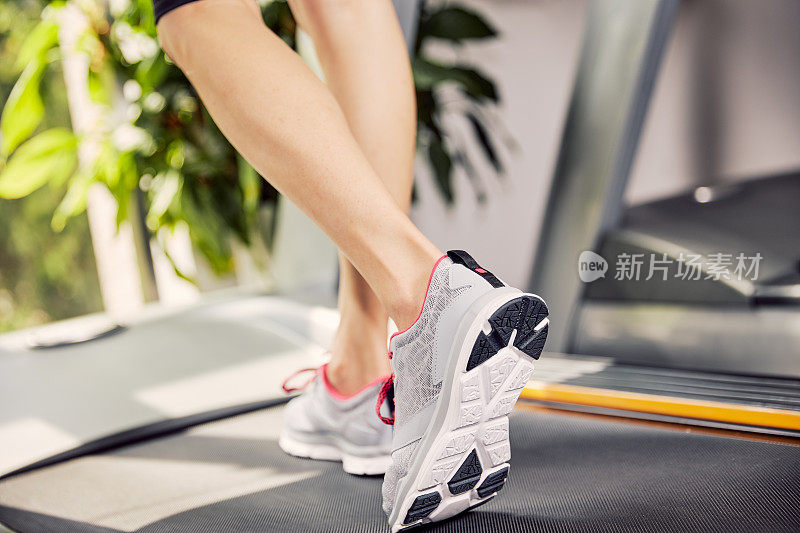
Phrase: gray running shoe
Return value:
(458, 371)
(323, 424)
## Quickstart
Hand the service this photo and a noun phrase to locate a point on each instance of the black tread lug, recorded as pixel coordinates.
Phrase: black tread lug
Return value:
(423, 506)
(523, 314)
(460, 487)
(467, 475)
(534, 344)
(493, 483)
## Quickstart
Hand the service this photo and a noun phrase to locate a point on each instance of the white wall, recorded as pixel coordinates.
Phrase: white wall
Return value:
(726, 106)
(727, 103)
(533, 62)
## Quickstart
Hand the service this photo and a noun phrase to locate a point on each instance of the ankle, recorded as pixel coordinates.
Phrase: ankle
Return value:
(358, 353)
(348, 378)
(410, 298)
(406, 310)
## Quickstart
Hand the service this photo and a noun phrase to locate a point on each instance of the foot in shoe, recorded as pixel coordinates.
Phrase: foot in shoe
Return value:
(458, 371)
(323, 424)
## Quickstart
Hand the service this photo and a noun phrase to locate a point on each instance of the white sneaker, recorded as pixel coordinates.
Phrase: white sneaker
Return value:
(323, 424)
(458, 371)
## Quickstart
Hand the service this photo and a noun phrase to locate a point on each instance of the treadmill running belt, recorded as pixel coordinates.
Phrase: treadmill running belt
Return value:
(569, 473)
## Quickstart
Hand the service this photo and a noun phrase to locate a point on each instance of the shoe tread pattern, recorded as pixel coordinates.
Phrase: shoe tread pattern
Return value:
(467, 475)
(423, 506)
(522, 314)
(493, 483)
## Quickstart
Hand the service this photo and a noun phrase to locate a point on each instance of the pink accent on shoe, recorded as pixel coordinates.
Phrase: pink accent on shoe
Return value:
(481, 271)
(287, 389)
(430, 278)
(388, 385)
(338, 395)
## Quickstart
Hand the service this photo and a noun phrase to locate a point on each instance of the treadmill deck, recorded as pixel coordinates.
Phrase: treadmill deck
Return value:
(569, 473)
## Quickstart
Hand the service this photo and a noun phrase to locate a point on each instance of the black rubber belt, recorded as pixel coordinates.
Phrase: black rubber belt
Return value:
(568, 473)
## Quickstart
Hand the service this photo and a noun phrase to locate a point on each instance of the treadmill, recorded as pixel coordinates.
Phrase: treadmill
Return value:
(107, 430)
(111, 433)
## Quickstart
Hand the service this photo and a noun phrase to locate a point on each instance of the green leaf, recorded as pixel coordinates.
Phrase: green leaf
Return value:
(114, 173)
(476, 84)
(106, 165)
(207, 230)
(126, 186)
(176, 269)
(38, 42)
(250, 182)
(163, 194)
(151, 72)
(74, 201)
(49, 156)
(482, 134)
(175, 155)
(98, 87)
(460, 159)
(429, 74)
(456, 24)
(442, 166)
(24, 109)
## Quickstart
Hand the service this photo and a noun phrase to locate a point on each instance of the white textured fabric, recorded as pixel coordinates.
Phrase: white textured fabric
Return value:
(418, 372)
(316, 417)
(401, 460)
(415, 383)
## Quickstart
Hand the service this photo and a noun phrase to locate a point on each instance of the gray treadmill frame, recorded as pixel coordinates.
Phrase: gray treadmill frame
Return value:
(621, 54)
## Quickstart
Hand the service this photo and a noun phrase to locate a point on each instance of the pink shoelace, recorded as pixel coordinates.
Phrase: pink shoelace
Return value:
(386, 392)
(288, 389)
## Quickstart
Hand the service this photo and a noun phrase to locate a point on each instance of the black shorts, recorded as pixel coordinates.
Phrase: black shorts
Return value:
(162, 7)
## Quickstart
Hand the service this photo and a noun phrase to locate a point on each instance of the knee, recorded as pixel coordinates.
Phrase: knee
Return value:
(164, 39)
(181, 27)
(173, 32)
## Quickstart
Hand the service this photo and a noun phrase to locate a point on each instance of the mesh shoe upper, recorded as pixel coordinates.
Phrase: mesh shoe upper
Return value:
(419, 382)
(419, 357)
(321, 416)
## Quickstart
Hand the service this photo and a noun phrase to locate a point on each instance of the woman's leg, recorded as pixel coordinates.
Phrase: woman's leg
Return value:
(365, 61)
(290, 128)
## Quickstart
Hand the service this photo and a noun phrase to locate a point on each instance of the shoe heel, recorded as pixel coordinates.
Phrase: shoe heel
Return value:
(466, 462)
(366, 466)
(521, 322)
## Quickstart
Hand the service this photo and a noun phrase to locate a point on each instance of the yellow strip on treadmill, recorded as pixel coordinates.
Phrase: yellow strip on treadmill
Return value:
(663, 405)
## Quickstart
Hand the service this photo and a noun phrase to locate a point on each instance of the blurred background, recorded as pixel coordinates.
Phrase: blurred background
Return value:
(168, 212)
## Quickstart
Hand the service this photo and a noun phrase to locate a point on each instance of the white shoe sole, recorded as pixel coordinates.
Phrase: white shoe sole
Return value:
(352, 464)
(463, 457)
